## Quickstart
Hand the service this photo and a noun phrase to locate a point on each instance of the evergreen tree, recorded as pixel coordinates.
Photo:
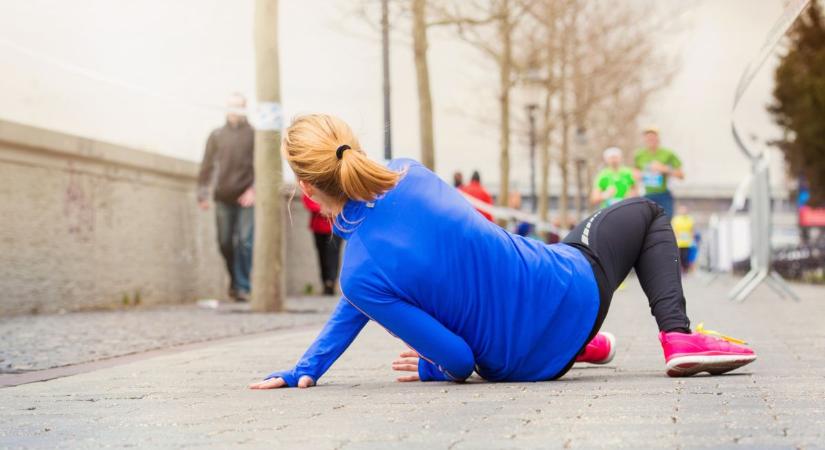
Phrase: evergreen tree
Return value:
(799, 100)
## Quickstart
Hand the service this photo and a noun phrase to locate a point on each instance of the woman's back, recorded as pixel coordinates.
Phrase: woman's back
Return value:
(424, 244)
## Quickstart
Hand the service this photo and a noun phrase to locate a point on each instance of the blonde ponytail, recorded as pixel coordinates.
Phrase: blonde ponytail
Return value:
(312, 145)
(363, 179)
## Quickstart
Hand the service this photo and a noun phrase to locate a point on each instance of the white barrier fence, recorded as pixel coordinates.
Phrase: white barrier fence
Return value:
(509, 214)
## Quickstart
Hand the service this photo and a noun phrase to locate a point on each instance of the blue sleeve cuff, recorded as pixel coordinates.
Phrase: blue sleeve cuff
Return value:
(288, 376)
(427, 371)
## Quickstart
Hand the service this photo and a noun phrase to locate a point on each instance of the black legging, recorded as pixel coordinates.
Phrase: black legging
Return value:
(634, 233)
(329, 248)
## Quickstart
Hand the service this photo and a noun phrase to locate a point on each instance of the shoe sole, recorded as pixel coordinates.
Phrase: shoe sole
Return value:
(612, 353)
(685, 366)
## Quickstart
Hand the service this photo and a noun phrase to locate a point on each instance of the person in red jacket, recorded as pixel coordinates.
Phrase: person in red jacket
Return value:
(327, 244)
(475, 189)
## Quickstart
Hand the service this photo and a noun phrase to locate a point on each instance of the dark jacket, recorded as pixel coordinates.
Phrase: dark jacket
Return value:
(228, 162)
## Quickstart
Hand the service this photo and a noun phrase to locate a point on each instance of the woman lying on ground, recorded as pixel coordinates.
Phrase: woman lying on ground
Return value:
(466, 295)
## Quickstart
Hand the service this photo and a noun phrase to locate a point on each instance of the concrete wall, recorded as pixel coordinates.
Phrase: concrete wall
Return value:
(86, 224)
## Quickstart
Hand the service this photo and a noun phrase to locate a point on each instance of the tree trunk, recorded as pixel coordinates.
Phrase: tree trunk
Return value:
(267, 266)
(564, 162)
(580, 106)
(564, 154)
(544, 157)
(547, 109)
(422, 72)
(588, 182)
(579, 189)
(505, 83)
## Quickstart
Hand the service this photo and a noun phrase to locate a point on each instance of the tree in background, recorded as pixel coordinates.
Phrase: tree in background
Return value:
(799, 100)
(597, 65)
(268, 285)
(493, 27)
(591, 67)
(413, 18)
(409, 18)
(422, 76)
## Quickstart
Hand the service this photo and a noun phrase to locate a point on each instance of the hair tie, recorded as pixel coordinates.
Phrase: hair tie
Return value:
(340, 152)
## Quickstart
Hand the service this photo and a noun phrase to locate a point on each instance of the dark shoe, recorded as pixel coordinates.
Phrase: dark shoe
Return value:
(241, 297)
(329, 288)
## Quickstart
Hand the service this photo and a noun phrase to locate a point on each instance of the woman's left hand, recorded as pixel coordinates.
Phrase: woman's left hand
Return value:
(407, 362)
(278, 382)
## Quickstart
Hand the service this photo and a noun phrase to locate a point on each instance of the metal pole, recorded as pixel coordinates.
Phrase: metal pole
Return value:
(385, 56)
(531, 109)
(760, 208)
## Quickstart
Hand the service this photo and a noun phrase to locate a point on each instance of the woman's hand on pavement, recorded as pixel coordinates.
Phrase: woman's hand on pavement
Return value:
(407, 362)
(275, 383)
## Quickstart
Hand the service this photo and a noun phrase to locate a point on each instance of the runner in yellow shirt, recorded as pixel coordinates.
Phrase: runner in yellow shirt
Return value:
(682, 224)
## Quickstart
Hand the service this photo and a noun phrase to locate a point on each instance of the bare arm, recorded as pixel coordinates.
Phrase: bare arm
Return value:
(678, 173)
(595, 196)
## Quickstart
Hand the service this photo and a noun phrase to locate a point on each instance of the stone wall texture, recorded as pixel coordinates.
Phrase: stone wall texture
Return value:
(86, 225)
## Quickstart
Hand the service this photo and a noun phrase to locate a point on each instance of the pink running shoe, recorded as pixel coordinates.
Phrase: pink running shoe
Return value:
(703, 351)
(600, 350)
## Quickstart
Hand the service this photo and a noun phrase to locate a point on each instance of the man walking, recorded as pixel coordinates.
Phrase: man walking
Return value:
(228, 167)
(656, 165)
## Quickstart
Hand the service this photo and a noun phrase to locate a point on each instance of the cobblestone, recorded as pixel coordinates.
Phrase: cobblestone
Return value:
(38, 342)
(198, 398)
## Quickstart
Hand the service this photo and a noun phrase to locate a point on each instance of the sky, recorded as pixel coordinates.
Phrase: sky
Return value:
(152, 75)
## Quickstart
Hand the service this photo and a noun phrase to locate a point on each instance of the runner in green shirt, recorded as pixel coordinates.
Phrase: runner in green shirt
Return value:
(615, 182)
(656, 165)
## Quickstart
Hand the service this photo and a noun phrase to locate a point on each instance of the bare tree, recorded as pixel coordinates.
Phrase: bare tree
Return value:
(539, 76)
(492, 26)
(547, 19)
(412, 18)
(595, 63)
(267, 266)
(599, 66)
(422, 75)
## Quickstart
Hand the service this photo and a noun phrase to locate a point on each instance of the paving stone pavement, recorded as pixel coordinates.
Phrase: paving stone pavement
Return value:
(36, 342)
(197, 398)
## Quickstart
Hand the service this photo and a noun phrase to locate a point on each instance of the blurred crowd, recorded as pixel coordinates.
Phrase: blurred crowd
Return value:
(652, 168)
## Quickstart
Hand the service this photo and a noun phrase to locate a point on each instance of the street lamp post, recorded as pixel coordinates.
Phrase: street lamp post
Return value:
(385, 56)
(531, 109)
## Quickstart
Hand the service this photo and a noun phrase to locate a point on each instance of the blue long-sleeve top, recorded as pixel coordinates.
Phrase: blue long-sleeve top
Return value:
(464, 293)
